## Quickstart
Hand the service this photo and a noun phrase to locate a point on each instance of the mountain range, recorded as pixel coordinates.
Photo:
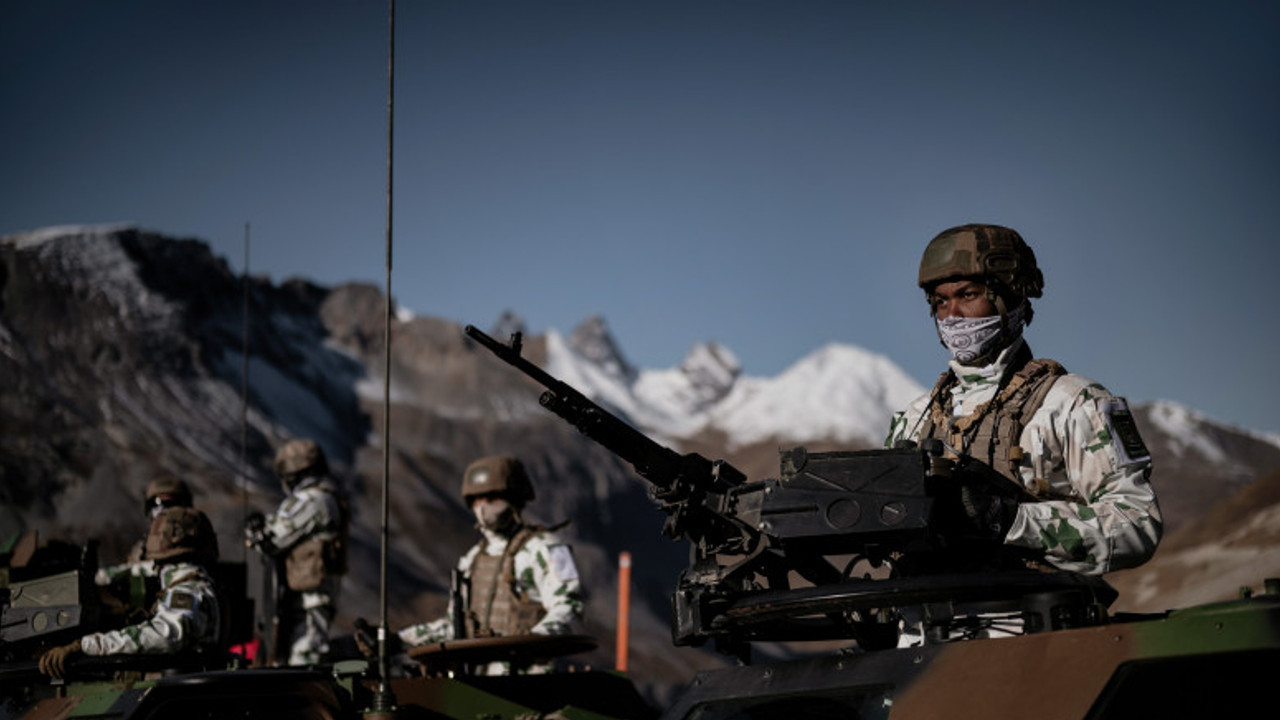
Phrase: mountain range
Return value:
(123, 354)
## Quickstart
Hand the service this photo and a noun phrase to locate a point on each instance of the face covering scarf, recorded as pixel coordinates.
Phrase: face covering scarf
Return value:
(970, 338)
(496, 516)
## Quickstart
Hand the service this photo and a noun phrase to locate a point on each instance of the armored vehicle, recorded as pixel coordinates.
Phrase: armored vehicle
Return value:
(853, 547)
(885, 610)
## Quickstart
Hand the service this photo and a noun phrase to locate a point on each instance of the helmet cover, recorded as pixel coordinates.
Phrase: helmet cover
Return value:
(300, 457)
(995, 254)
(497, 475)
(180, 531)
(175, 489)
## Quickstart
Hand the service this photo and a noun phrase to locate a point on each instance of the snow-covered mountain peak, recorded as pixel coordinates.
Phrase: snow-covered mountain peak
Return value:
(837, 393)
(507, 324)
(687, 393)
(711, 366)
(1188, 429)
(32, 238)
(95, 257)
(592, 340)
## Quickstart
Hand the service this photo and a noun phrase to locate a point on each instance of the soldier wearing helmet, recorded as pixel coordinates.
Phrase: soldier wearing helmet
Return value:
(1064, 438)
(518, 579)
(186, 614)
(165, 491)
(309, 531)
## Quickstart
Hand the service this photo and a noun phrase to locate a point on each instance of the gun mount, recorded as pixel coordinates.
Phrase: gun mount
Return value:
(787, 558)
(47, 593)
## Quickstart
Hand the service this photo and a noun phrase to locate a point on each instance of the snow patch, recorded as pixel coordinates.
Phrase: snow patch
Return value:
(292, 404)
(840, 393)
(93, 256)
(32, 238)
(1185, 430)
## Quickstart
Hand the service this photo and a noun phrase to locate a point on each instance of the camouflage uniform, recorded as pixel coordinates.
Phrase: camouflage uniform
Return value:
(186, 615)
(310, 517)
(545, 573)
(1100, 512)
(1071, 444)
(521, 579)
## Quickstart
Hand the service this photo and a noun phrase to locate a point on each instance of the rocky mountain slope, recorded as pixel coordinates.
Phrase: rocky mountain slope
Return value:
(121, 352)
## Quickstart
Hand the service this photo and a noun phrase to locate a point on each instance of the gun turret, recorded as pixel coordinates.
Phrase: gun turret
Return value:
(775, 559)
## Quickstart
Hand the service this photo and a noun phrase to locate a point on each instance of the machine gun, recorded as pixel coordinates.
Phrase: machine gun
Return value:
(47, 594)
(775, 559)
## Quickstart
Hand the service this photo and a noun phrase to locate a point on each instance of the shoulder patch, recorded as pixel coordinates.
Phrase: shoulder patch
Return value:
(562, 562)
(1124, 431)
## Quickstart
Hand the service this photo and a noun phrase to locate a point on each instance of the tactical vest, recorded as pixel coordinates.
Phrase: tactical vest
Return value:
(324, 555)
(992, 431)
(497, 604)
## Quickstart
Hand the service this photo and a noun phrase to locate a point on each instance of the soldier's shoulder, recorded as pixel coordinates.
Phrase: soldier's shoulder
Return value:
(1075, 385)
(1072, 391)
(917, 404)
(544, 538)
(330, 484)
(185, 574)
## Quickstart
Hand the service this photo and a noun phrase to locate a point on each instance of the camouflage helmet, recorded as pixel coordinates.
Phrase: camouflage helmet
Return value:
(497, 475)
(180, 531)
(995, 254)
(299, 458)
(166, 486)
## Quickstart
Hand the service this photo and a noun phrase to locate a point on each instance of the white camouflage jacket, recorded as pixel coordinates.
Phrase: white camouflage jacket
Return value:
(186, 615)
(545, 572)
(310, 510)
(1111, 519)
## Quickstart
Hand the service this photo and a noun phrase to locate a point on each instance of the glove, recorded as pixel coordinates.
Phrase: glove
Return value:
(965, 512)
(989, 516)
(54, 660)
(365, 640)
(254, 525)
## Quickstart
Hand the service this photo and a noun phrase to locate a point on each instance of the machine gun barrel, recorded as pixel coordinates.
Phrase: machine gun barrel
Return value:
(680, 482)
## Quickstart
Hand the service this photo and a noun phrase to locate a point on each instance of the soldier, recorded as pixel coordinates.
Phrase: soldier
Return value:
(187, 614)
(163, 492)
(1066, 439)
(310, 531)
(520, 578)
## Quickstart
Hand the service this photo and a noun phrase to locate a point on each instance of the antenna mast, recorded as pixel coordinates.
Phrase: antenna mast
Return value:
(384, 699)
(244, 394)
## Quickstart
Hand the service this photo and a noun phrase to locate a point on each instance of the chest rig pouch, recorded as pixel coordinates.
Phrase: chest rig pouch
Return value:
(498, 605)
(992, 431)
(323, 555)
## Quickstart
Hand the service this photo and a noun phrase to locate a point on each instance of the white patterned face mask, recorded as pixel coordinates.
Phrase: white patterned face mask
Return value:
(970, 338)
(496, 515)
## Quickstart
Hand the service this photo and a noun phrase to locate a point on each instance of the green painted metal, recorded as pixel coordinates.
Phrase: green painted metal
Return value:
(1234, 626)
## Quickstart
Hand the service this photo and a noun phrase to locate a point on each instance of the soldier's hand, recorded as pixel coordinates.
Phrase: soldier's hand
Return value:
(254, 526)
(54, 661)
(365, 644)
(255, 521)
(965, 512)
(989, 515)
(364, 638)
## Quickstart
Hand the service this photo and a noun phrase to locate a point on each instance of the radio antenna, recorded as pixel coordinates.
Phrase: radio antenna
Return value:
(383, 706)
(244, 393)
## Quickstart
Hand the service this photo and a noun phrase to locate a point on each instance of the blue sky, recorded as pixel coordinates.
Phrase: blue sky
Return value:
(763, 174)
